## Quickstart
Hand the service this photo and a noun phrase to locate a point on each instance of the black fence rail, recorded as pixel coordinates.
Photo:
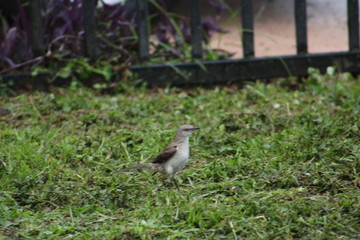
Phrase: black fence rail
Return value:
(248, 68)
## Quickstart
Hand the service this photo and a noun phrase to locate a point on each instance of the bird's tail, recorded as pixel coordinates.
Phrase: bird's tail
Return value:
(148, 165)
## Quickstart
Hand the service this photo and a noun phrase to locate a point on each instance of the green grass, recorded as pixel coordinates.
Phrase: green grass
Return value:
(268, 163)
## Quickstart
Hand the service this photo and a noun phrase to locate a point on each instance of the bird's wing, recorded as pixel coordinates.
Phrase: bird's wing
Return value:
(165, 155)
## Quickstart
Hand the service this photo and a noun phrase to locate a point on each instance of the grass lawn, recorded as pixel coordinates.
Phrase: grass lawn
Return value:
(269, 162)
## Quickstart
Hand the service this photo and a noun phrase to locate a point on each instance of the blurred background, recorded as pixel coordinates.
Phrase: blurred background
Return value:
(170, 35)
(274, 26)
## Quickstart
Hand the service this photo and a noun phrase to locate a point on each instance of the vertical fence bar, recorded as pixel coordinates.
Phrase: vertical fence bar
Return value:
(142, 29)
(90, 28)
(195, 27)
(301, 26)
(37, 28)
(353, 24)
(247, 19)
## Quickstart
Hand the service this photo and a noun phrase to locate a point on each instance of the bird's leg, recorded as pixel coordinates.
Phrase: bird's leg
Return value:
(168, 182)
(176, 184)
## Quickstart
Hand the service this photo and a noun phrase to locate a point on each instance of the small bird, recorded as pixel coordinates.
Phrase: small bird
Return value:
(173, 158)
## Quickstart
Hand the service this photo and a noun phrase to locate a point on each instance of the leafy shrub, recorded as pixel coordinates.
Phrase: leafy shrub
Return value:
(116, 34)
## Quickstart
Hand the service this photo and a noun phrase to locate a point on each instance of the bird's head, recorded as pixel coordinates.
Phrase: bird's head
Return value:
(186, 130)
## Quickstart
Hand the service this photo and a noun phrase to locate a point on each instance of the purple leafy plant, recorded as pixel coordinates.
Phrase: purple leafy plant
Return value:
(116, 33)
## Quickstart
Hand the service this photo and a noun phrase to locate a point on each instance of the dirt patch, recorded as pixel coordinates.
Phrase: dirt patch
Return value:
(275, 27)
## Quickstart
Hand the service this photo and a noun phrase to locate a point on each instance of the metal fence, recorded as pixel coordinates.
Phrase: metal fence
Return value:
(249, 67)
(224, 71)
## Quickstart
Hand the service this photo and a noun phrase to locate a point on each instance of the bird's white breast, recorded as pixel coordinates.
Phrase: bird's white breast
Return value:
(178, 161)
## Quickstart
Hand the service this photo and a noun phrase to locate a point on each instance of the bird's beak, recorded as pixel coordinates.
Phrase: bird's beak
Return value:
(195, 128)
